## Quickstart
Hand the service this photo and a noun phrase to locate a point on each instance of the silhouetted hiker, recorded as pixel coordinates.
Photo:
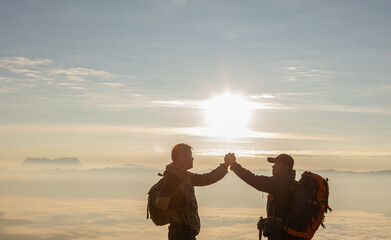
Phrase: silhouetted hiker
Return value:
(177, 192)
(279, 187)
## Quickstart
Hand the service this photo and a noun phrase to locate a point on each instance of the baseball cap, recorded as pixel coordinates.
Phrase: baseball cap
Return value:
(282, 158)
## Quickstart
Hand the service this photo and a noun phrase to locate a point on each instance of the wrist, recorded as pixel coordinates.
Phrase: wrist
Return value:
(234, 165)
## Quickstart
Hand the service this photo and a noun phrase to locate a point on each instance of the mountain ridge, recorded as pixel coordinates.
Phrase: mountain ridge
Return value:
(65, 162)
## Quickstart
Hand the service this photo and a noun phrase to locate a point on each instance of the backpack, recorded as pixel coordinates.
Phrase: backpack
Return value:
(309, 205)
(159, 217)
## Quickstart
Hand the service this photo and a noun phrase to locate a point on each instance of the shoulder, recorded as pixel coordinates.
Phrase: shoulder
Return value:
(170, 183)
(283, 182)
(172, 176)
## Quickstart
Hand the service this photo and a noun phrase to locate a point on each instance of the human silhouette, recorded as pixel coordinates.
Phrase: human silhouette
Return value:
(177, 192)
(280, 189)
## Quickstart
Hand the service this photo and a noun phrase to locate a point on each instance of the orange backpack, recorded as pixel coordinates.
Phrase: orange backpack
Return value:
(309, 205)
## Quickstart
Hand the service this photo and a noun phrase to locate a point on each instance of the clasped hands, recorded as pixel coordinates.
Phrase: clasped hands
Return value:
(229, 158)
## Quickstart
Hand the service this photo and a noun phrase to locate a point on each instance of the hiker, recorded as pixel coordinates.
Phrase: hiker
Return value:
(177, 192)
(279, 187)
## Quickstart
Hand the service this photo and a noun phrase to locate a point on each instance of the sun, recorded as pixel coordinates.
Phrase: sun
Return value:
(227, 115)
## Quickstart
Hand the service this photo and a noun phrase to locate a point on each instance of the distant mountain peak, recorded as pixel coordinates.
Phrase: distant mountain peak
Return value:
(66, 163)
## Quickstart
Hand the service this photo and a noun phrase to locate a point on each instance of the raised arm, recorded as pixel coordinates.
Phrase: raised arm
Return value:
(261, 183)
(211, 177)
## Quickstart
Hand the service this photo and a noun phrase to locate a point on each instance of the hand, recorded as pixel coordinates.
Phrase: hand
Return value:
(229, 158)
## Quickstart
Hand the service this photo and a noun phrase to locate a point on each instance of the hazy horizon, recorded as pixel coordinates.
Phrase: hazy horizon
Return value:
(48, 164)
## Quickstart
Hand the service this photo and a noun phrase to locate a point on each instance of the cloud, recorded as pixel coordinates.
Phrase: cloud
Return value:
(112, 84)
(316, 107)
(17, 236)
(78, 74)
(77, 219)
(42, 70)
(37, 75)
(91, 129)
(224, 215)
(79, 71)
(44, 73)
(111, 219)
(71, 85)
(91, 87)
(261, 153)
(7, 89)
(176, 103)
(32, 69)
(297, 70)
(97, 129)
(341, 108)
(218, 133)
(4, 222)
(12, 62)
(202, 103)
(248, 133)
(262, 96)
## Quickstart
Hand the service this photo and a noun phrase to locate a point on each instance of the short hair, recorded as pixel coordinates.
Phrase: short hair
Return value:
(178, 149)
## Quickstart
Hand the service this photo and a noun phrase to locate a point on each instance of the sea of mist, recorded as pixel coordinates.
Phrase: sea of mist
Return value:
(110, 203)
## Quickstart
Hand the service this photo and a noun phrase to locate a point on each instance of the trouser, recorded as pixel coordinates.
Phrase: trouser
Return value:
(273, 229)
(274, 238)
(180, 232)
(289, 237)
(277, 237)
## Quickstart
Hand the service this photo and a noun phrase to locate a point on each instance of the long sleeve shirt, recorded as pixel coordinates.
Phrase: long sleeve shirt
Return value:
(178, 192)
(279, 188)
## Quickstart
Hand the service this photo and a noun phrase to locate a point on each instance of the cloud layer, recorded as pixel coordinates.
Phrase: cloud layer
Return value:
(61, 219)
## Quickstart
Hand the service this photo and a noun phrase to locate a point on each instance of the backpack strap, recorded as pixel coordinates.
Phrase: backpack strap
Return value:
(327, 198)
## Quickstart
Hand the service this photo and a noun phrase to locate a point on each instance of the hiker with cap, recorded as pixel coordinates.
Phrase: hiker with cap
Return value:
(279, 188)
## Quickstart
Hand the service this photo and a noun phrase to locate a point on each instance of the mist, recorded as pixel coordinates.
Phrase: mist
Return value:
(110, 203)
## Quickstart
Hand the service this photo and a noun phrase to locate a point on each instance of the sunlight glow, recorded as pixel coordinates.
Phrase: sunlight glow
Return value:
(227, 115)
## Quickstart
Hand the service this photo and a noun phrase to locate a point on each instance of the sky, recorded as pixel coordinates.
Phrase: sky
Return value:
(116, 82)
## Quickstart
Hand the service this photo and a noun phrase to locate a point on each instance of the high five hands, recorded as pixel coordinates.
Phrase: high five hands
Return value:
(229, 158)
